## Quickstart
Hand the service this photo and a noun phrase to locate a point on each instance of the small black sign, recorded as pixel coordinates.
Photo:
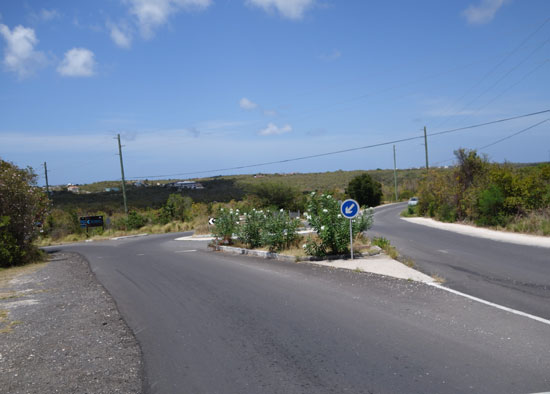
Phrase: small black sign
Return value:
(91, 221)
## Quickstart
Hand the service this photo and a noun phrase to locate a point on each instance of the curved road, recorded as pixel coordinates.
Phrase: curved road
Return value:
(209, 322)
(512, 275)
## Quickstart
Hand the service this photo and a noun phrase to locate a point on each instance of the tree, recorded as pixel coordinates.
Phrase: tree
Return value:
(278, 195)
(365, 190)
(23, 207)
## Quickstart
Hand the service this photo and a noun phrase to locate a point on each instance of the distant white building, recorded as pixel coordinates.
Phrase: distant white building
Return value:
(73, 188)
(186, 185)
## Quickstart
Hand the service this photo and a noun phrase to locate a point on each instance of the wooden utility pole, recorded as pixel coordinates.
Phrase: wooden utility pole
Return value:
(46, 176)
(426, 147)
(122, 172)
(395, 174)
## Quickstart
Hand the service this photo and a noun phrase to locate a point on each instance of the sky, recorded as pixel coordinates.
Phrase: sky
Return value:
(199, 87)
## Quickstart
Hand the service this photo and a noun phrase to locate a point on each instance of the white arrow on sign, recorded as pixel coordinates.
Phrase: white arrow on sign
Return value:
(211, 221)
(349, 210)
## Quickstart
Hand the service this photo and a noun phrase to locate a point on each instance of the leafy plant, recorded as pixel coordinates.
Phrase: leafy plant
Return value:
(226, 224)
(250, 230)
(323, 214)
(23, 207)
(365, 190)
(280, 230)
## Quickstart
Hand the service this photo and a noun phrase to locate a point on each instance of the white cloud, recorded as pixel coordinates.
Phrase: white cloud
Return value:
(121, 36)
(151, 14)
(19, 54)
(291, 9)
(78, 62)
(270, 112)
(272, 129)
(328, 57)
(48, 15)
(245, 103)
(484, 12)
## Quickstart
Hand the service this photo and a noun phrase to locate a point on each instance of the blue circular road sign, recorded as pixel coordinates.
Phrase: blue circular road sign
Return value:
(349, 208)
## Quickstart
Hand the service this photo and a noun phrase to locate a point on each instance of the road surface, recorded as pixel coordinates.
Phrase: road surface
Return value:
(512, 275)
(209, 322)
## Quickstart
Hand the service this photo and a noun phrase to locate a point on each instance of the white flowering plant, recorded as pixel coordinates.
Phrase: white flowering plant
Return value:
(323, 214)
(226, 224)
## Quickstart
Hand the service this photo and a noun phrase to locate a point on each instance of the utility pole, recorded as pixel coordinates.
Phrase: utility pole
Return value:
(46, 176)
(426, 147)
(122, 172)
(395, 174)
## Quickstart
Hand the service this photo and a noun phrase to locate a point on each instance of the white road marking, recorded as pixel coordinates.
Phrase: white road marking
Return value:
(443, 251)
(185, 251)
(140, 254)
(501, 307)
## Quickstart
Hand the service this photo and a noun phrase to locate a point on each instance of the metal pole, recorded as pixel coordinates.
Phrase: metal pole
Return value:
(46, 175)
(122, 172)
(395, 174)
(426, 146)
(351, 239)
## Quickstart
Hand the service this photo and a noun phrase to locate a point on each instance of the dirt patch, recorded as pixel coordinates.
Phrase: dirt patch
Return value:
(60, 332)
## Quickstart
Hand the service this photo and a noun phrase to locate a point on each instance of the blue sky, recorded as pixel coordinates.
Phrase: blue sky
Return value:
(196, 85)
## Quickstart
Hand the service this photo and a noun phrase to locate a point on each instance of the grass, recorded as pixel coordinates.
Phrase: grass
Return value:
(438, 279)
(171, 227)
(410, 212)
(536, 223)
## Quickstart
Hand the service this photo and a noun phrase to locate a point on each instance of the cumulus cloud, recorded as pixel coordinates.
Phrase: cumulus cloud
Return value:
(151, 14)
(121, 36)
(78, 62)
(19, 55)
(245, 103)
(291, 9)
(484, 12)
(272, 129)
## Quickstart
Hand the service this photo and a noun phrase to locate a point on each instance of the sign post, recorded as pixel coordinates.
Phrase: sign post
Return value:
(91, 221)
(350, 209)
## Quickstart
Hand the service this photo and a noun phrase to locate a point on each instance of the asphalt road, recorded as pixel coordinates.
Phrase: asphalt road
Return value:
(512, 275)
(209, 322)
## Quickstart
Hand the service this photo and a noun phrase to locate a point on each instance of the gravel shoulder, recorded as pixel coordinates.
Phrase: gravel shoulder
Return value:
(61, 332)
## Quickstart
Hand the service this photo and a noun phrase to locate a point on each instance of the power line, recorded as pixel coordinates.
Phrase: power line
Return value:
(344, 150)
(492, 70)
(513, 135)
(502, 139)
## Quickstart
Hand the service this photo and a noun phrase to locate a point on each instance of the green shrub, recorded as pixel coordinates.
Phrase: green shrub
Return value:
(365, 190)
(23, 208)
(226, 224)
(280, 231)
(491, 207)
(323, 214)
(249, 231)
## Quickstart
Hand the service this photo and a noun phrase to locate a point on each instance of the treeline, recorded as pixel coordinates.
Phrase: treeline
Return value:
(489, 194)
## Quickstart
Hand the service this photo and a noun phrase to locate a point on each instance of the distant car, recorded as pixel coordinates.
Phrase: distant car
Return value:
(413, 201)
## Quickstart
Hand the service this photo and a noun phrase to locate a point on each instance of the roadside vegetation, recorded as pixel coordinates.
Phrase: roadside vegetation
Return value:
(495, 195)
(23, 206)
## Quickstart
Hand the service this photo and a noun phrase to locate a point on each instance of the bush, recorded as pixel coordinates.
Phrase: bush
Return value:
(365, 190)
(491, 207)
(250, 231)
(280, 231)
(323, 213)
(226, 224)
(23, 207)
(277, 195)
